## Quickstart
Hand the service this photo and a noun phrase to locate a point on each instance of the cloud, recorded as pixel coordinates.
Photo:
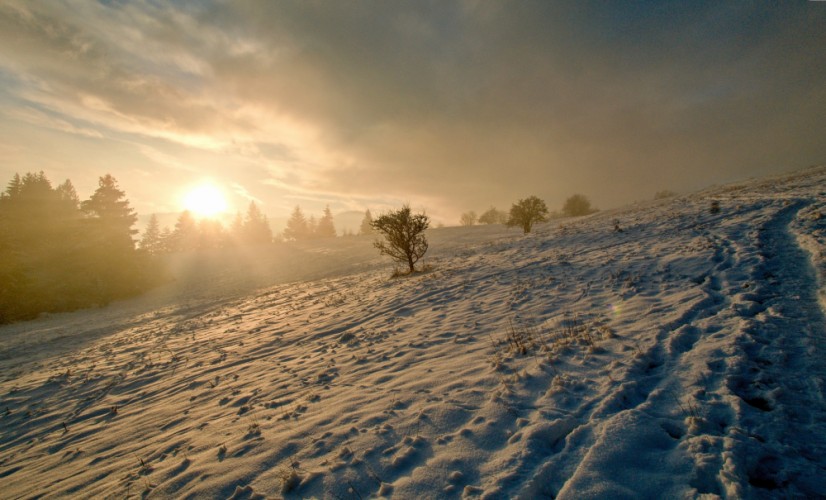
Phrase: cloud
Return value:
(242, 191)
(44, 119)
(456, 104)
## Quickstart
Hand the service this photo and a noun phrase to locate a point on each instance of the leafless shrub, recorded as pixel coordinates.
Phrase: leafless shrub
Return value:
(522, 338)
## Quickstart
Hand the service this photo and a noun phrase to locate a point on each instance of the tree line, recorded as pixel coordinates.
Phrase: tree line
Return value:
(529, 208)
(58, 253)
(191, 234)
(299, 227)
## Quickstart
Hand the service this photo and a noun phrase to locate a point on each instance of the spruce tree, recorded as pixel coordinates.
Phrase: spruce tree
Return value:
(185, 235)
(312, 227)
(14, 187)
(68, 195)
(256, 226)
(297, 227)
(236, 230)
(116, 270)
(326, 228)
(109, 206)
(151, 239)
(211, 234)
(366, 224)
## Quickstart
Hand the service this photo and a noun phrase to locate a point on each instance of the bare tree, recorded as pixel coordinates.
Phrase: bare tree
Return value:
(404, 239)
(468, 218)
(527, 212)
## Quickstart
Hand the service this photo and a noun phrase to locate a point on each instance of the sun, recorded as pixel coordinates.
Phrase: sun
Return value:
(205, 200)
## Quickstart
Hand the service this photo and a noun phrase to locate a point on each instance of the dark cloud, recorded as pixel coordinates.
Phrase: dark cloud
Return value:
(462, 104)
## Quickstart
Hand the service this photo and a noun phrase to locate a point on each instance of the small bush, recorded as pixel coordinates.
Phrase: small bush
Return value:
(493, 216)
(404, 239)
(577, 205)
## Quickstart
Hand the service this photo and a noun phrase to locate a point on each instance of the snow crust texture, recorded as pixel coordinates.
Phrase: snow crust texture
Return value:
(679, 356)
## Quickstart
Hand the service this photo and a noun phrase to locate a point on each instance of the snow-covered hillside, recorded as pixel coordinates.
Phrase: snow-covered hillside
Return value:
(681, 356)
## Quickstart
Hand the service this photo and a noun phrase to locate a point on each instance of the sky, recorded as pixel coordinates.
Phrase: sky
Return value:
(448, 106)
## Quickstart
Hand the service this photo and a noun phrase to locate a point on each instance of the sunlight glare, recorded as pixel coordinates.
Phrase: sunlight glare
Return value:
(205, 200)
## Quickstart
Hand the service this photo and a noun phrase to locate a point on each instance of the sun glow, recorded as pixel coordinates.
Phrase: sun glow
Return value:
(205, 200)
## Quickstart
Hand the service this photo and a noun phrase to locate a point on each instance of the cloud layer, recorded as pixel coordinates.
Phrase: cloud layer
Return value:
(448, 105)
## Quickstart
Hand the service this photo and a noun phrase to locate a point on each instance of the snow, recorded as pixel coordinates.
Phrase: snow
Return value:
(680, 357)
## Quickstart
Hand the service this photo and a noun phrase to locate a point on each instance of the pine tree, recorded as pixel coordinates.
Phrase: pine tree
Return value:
(256, 226)
(115, 269)
(366, 224)
(312, 227)
(236, 230)
(211, 234)
(67, 194)
(14, 187)
(167, 243)
(297, 227)
(151, 239)
(110, 207)
(185, 235)
(54, 259)
(326, 228)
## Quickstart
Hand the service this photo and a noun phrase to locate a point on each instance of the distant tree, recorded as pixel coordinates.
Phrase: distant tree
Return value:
(211, 234)
(326, 228)
(236, 229)
(403, 232)
(256, 226)
(312, 227)
(167, 240)
(577, 205)
(14, 187)
(297, 227)
(14, 282)
(68, 195)
(109, 206)
(366, 227)
(58, 254)
(468, 218)
(525, 213)
(493, 216)
(185, 236)
(151, 238)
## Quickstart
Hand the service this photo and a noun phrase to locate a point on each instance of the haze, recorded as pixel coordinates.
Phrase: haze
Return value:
(451, 106)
